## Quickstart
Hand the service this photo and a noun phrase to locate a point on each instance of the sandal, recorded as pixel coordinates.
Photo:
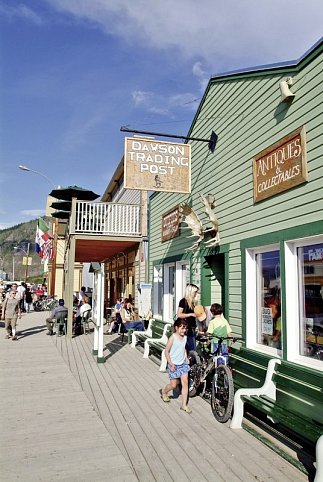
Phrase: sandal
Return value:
(186, 409)
(164, 397)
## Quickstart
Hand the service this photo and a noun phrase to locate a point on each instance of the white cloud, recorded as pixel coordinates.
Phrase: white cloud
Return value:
(142, 98)
(79, 127)
(33, 212)
(7, 225)
(21, 11)
(240, 34)
(201, 75)
(162, 104)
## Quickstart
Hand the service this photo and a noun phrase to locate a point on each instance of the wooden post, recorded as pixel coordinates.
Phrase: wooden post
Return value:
(53, 272)
(69, 288)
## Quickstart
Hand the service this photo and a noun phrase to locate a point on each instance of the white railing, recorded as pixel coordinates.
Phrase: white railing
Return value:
(107, 218)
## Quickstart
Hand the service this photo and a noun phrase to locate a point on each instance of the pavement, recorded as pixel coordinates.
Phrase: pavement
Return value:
(64, 417)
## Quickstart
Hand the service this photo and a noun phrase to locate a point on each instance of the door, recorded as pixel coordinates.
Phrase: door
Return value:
(213, 287)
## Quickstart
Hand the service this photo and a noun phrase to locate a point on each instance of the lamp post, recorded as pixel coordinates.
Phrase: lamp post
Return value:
(25, 168)
(18, 248)
(53, 272)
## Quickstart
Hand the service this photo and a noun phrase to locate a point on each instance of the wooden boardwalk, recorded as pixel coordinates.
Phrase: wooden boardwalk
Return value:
(65, 417)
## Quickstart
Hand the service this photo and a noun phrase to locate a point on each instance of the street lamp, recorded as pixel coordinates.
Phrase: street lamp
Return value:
(25, 168)
(18, 248)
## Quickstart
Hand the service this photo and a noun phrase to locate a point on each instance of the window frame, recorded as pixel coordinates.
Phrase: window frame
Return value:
(157, 280)
(169, 298)
(293, 306)
(252, 274)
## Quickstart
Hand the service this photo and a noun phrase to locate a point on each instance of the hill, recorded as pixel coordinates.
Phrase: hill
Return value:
(11, 259)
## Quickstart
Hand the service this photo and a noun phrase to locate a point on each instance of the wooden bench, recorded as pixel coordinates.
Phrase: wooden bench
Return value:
(289, 397)
(154, 338)
(143, 335)
(159, 345)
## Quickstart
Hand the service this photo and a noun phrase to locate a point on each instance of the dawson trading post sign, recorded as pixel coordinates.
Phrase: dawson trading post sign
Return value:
(152, 165)
(281, 166)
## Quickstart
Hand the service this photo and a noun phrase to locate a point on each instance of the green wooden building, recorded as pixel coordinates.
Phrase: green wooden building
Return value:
(263, 185)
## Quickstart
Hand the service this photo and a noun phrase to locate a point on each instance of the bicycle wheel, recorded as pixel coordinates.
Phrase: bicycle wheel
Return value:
(193, 380)
(222, 393)
(37, 306)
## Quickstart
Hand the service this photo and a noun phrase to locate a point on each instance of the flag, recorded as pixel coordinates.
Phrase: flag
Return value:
(42, 236)
(47, 250)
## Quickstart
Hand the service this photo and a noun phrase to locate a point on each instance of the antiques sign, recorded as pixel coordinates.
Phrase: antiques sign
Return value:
(152, 165)
(170, 224)
(281, 166)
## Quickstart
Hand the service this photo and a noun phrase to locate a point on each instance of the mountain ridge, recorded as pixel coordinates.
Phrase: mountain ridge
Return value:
(10, 259)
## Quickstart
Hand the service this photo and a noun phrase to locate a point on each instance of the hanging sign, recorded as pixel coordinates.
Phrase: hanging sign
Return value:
(153, 165)
(170, 224)
(281, 166)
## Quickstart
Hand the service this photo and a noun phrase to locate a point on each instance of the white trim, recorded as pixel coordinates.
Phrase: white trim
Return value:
(251, 299)
(293, 301)
(156, 280)
(168, 296)
(179, 279)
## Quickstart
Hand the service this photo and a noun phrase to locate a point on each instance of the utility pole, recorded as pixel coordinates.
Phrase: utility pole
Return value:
(27, 261)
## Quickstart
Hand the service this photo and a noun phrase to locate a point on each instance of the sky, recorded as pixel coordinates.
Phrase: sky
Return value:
(72, 72)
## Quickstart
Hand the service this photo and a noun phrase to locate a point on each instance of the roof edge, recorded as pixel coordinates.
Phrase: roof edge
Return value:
(268, 67)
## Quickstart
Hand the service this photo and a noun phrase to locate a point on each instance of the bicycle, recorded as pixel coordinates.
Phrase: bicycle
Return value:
(45, 304)
(210, 374)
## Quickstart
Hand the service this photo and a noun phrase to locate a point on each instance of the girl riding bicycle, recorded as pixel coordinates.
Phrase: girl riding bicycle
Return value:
(178, 365)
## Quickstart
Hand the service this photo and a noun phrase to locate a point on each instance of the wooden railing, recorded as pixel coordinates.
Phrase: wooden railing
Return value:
(109, 219)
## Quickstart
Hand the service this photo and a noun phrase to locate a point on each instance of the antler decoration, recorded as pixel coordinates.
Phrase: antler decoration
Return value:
(193, 222)
(214, 221)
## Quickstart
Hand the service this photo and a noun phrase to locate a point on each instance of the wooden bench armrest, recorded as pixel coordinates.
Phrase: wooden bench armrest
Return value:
(146, 333)
(319, 460)
(163, 339)
(268, 389)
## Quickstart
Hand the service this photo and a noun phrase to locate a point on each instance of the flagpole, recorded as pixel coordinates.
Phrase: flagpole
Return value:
(53, 272)
(28, 247)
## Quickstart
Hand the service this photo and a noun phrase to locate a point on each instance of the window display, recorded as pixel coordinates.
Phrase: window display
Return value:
(268, 299)
(310, 274)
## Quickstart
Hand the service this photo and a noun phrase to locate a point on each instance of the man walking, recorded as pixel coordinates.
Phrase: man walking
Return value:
(10, 313)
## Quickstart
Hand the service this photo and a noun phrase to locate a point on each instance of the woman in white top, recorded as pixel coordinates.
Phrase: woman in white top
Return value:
(127, 315)
(128, 318)
(85, 306)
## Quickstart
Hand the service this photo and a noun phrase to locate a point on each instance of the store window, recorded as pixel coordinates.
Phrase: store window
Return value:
(158, 291)
(310, 281)
(263, 299)
(182, 280)
(170, 281)
(169, 291)
(268, 299)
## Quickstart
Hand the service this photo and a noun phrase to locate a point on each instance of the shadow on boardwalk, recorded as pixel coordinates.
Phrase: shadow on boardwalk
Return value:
(107, 421)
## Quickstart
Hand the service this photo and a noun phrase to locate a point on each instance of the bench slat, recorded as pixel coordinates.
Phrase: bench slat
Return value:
(301, 425)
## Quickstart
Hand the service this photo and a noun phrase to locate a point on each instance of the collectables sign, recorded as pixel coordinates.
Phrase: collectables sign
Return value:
(170, 224)
(281, 166)
(153, 165)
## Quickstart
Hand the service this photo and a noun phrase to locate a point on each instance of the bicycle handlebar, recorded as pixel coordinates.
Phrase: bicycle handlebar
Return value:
(209, 337)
